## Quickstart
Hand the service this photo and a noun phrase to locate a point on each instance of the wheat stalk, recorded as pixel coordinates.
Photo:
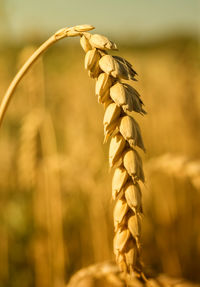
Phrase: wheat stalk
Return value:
(27, 155)
(38, 170)
(119, 99)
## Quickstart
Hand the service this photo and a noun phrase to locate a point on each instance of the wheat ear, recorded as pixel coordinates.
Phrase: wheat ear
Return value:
(119, 99)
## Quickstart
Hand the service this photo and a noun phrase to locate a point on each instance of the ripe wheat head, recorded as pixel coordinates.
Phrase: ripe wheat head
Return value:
(119, 99)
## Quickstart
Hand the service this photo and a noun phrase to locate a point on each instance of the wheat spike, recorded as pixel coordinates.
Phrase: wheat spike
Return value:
(119, 98)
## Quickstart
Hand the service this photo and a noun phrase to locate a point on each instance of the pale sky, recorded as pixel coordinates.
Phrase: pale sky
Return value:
(142, 19)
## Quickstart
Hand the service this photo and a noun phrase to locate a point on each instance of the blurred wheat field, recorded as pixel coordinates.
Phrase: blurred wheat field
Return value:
(55, 190)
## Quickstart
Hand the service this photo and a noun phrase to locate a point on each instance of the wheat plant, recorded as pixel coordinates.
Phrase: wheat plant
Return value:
(120, 99)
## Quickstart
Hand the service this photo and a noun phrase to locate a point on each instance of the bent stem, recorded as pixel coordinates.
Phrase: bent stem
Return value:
(8, 95)
(63, 33)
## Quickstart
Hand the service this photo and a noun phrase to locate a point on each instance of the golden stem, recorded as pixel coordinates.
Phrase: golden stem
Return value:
(8, 95)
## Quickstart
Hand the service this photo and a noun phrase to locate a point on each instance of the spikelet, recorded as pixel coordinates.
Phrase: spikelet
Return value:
(118, 68)
(133, 196)
(117, 145)
(85, 44)
(119, 179)
(104, 82)
(127, 97)
(130, 130)
(102, 42)
(119, 98)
